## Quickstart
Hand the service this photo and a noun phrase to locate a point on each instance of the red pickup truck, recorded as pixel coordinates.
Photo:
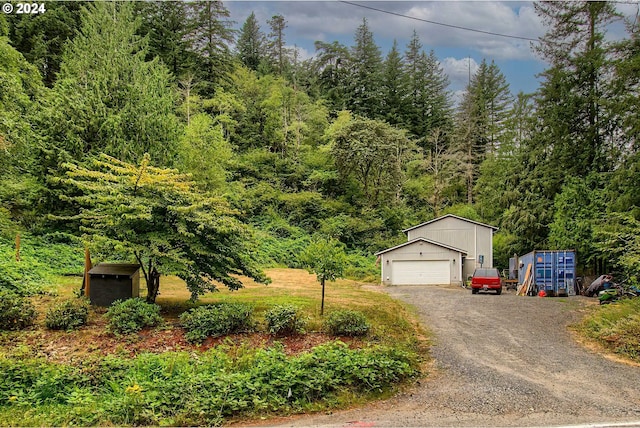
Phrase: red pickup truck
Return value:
(486, 279)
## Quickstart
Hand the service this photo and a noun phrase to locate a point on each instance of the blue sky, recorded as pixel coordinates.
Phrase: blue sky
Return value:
(457, 50)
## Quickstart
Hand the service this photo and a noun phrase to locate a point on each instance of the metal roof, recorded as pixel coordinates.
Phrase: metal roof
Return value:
(429, 241)
(114, 269)
(452, 216)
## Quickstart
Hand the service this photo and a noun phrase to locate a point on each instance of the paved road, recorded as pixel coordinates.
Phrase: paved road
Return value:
(502, 361)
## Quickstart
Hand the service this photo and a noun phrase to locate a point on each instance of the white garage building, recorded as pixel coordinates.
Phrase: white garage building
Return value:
(445, 250)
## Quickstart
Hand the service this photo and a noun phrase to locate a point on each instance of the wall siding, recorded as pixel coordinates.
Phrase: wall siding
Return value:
(412, 252)
(473, 238)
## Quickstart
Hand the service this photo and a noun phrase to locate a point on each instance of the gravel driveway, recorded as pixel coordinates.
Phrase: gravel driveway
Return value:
(501, 361)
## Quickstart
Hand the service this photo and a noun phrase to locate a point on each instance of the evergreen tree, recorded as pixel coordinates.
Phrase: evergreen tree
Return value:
(496, 187)
(481, 121)
(393, 87)
(365, 79)
(20, 89)
(251, 43)
(166, 24)
(276, 45)
(209, 38)
(624, 102)
(577, 127)
(427, 103)
(332, 67)
(573, 133)
(41, 38)
(107, 97)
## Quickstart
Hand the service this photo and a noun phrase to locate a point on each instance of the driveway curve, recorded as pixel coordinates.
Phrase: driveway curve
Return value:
(501, 361)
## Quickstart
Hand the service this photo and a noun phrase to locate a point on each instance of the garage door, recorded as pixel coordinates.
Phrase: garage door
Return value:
(410, 272)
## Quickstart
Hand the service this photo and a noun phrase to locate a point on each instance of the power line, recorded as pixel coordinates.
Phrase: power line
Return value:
(439, 23)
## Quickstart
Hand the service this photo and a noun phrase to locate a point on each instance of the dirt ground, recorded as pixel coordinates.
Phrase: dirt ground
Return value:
(501, 361)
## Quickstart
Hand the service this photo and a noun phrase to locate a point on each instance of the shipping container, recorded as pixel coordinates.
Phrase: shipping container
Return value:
(553, 271)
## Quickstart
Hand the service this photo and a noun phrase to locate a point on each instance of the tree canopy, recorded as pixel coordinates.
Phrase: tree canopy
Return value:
(162, 219)
(357, 143)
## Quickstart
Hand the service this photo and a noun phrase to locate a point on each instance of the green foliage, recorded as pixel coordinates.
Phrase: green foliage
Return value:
(107, 97)
(372, 153)
(161, 218)
(16, 312)
(618, 237)
(210, 389)
(67, 315)
(617, 327)
(283, 320)
(326, 258)
(204, 152)
(132, 315)
(347, 323)
(41, 38)
(216, 320)
(577, 208)
(40, 259)
(28, 382)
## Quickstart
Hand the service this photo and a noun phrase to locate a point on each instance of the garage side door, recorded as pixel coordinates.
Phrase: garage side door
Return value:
(415, 272)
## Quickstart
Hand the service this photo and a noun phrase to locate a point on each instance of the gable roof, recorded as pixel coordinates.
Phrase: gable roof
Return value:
(452, 216)
(429, 241)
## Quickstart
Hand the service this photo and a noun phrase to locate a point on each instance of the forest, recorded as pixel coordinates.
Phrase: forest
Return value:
(254, 154)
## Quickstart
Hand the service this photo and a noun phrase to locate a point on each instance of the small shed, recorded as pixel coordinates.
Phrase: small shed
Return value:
(113, 281)
(421, 261)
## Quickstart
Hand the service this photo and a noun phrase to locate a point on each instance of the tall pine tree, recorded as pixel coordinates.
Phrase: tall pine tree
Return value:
(251, 43)
(108, 98)
(365, 80)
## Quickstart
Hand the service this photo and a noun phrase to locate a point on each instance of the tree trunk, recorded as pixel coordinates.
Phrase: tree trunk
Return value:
(322, 301)
(153, 285)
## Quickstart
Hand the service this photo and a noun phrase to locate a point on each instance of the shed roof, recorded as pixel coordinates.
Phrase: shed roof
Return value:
(452, 216)
(114, 269)
(429, 241)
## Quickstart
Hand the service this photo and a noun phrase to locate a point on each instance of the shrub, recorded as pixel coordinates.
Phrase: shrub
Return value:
(347, 323)
(67, 315)
(284, 319)
(617, 327)
(211, 388)
(132, 315)
(216, 320)
(16, 312)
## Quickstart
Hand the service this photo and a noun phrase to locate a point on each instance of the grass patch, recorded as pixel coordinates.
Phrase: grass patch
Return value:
(42, 260)
(615, 326)
(156, 377)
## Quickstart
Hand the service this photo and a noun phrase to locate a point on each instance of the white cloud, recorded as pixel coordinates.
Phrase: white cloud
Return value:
(493, 17)
(328, 21)
(459, 70)
(303, 54)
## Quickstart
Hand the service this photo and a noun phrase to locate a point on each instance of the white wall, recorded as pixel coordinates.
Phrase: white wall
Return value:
(413, 252)
(474, 239)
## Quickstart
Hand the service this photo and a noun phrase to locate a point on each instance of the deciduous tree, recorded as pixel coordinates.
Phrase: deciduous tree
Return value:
(372, 152)
(159, 217)
(327, 259)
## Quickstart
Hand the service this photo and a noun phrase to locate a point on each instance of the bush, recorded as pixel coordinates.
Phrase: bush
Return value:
(617, 327)
(211, 388)
(67, 315)
(216, 320)
(284, 320)
(347, 323)
(16, 313)
(132, 315)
